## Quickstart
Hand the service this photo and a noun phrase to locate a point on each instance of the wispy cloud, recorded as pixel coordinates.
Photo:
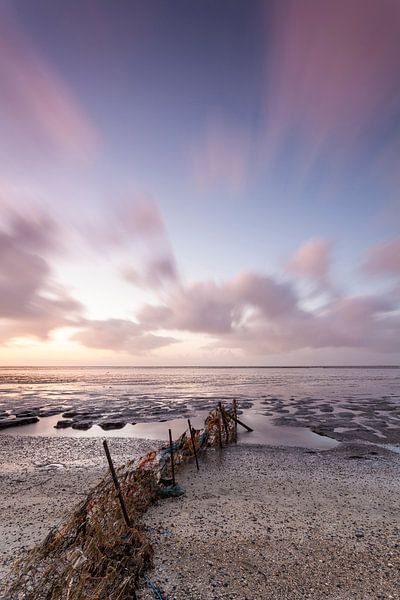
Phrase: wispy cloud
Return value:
(156, 274)
(119, 335)
(39, 108)
(331, 78)
(260, 315)
(251, 313)
(31, 303)
(264, 317)
(222, 157)
(383, 259)
(313, 261)
(137, 222)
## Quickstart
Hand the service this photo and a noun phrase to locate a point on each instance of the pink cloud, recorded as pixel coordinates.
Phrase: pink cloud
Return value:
(272, 298)
(130, 230)
(33, 304)
(134, 216)
(252, 313)
(384, 259)
(201, 307)
(119, 335)
(355, 322)
(260, 315)
(136, 222)
(36, 103)
(156, 274)
(222, 157)
(355, 325)
(30, 301)
(313, 261)
(331, 73)
(128, 219)
(216, 309)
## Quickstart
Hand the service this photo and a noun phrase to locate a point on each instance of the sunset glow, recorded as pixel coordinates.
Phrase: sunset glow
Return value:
(205, 183)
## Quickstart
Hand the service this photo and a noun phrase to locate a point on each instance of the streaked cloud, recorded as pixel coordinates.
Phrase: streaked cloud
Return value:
(136, 222)
(252, 313)
(119, 335)
(313, 261)
(204, 307)
(31, 302)
(156, 274)
(383, 259)
(39, 110)
(222, 157)
(358, 323)
(331, 80)
(260, 316)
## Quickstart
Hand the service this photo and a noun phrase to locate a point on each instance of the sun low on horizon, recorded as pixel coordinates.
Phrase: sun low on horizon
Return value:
(199, 182)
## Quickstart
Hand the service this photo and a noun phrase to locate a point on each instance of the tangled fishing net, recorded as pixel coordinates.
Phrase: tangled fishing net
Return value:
(93, 554)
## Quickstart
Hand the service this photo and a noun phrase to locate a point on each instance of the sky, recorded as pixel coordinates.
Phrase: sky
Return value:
(199, 183)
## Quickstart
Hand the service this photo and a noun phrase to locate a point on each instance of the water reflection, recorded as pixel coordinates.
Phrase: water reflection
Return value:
(265, 433)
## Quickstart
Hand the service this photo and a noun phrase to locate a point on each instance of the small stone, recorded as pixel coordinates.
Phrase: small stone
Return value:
(359, 533)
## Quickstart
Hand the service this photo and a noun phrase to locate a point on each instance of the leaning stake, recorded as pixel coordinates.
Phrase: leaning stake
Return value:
(236, 420)
(117, 486)
(172, 457)
(235, 415)
(193, 444)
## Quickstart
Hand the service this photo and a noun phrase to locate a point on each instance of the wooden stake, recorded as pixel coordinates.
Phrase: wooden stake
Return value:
(222, 411)
(239, 422)
(193, 444)
(117, 486)
(235, 415)
(219, 430)
(171, 449)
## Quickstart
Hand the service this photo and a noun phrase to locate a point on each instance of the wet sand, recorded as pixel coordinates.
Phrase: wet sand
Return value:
(345, 419)
(256, 522)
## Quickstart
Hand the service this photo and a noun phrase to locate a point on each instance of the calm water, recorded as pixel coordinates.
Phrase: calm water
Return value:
(151, 395)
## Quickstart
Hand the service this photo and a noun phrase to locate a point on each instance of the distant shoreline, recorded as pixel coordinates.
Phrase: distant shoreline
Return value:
(200, 367)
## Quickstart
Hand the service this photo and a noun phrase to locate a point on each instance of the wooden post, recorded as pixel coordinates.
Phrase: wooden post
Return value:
(171, 449)
(219, 430)
(193, 444)
(222, 411)
(117, 486)
(235, 415)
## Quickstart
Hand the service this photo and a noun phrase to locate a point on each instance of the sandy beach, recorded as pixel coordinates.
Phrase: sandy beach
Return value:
(256, 521)
(42, 479)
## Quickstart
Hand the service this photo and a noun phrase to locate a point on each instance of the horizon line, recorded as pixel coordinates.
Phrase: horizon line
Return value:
(377, 366)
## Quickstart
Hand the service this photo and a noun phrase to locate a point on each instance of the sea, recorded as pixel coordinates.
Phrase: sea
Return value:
(152, 399)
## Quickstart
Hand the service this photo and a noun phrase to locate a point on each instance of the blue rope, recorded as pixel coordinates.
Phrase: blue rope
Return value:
(154, 588)
(203, 438)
